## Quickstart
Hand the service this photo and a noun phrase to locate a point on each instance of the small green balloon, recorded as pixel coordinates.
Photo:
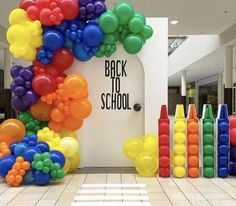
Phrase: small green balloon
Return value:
(133, 43)
(108, 22)
(46, 169)
(99, 54)
(25, 117)
(33, 164)
(39, 165)
(37, 157)
(60, 174)
(30, 125)
(45, 155)
(124, 12)
(147, 32)
(36, 128)
(141, 16)
(29, 133)
(57, 166)
(109, 39)
(136, 25)
(53, 173)
(47, 162)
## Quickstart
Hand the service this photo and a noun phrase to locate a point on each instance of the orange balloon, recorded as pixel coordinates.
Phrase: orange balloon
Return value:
(11, 130)
(41, 111)
(56, 127)
(57, 115)
(75, 86)
(72, 123)
(80, 109)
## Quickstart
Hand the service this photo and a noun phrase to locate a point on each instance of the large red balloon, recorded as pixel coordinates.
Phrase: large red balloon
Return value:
(63, 59)
(43, 84)
(25, 4)
(70, 8)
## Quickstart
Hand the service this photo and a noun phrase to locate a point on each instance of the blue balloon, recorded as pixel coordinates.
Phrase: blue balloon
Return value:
(80, 53)
(43, 146)
(53, 40)
(12, 146)
(58, 157)
(68, 43)
(28, 178)
(41, 178)
(6, 164)
(20, 149)
(30, 152)
(92, 35)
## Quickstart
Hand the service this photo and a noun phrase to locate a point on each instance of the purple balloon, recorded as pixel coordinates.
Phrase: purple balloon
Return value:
(100, 7)
(18, 104)
(13, 86)
(30, 98)
(28, 85)
(90, 8)
(26, 74)
(19, 81)
(15, 71)
(82, 11)
(19, 90)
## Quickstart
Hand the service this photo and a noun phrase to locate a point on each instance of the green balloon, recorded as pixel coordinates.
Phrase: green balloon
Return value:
(37, 157)
(208, 139)
(53, 173)
(124, 12)
(33, 164)
(109, 39)
(208, 172)
(99, 54)
(108, 22)
(39, 165)
(208, 161)
(60, 174)
(25, 117)
(141, 16)
(208, 150)
(133, 43)
(208, 127)
(57, 166)
(47, 162)
(30, 125)
(29, 133)
(46, 169)
(136, 25)
(45, 155)
(147, 32)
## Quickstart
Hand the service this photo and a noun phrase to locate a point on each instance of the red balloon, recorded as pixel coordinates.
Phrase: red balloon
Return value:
(43, 84)
(33, 12)
(44, 17)
(69, 8)
(25, 4)
(63, 59)
(41, 4)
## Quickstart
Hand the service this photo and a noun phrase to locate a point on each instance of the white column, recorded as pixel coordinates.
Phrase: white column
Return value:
(228, 67)
(7, 68)
(183, 83)
(220, 88)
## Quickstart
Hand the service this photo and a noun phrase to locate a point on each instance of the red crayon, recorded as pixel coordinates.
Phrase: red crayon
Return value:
(164, 143)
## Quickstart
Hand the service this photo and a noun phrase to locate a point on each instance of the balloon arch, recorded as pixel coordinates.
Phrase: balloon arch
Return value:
(41, 145)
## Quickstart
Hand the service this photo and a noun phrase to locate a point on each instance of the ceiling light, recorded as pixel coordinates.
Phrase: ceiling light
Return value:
(174, 22)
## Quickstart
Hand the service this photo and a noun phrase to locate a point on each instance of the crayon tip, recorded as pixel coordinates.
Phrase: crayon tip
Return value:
(192, 112)
(223, 111)
(208, 112)
(164, 112)
(179, 111)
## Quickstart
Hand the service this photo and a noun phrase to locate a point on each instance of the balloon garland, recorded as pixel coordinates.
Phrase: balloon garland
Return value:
(41, 146)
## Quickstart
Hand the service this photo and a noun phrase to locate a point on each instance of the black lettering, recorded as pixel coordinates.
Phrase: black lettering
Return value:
(103, 101)
(123, 68)
(107, 65)
(107, 107)
(119, 101)
(118, 85)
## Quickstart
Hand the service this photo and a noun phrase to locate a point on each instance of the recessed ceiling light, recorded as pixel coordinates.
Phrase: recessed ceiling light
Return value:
(225, 11)
(174, 22)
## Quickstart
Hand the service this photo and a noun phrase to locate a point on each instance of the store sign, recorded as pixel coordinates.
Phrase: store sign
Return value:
(115, 99)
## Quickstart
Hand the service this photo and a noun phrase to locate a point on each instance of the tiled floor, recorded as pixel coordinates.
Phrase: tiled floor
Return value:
(170, 191)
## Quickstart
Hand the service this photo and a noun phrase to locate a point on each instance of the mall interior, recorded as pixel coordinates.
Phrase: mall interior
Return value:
(185, 72)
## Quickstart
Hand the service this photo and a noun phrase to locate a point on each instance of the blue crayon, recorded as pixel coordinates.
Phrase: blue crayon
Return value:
(222, 141)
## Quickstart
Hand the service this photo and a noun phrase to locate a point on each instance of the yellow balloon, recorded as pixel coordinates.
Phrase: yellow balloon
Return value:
(179, 160)
(146, 164)
(179, 149)
(150, 145)
(67, 133)
(180, 138)
(24, 36)
(66, 167)
(70, 145)
(74, 162)
(179, 171)
(133, 147)
(179, 126)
